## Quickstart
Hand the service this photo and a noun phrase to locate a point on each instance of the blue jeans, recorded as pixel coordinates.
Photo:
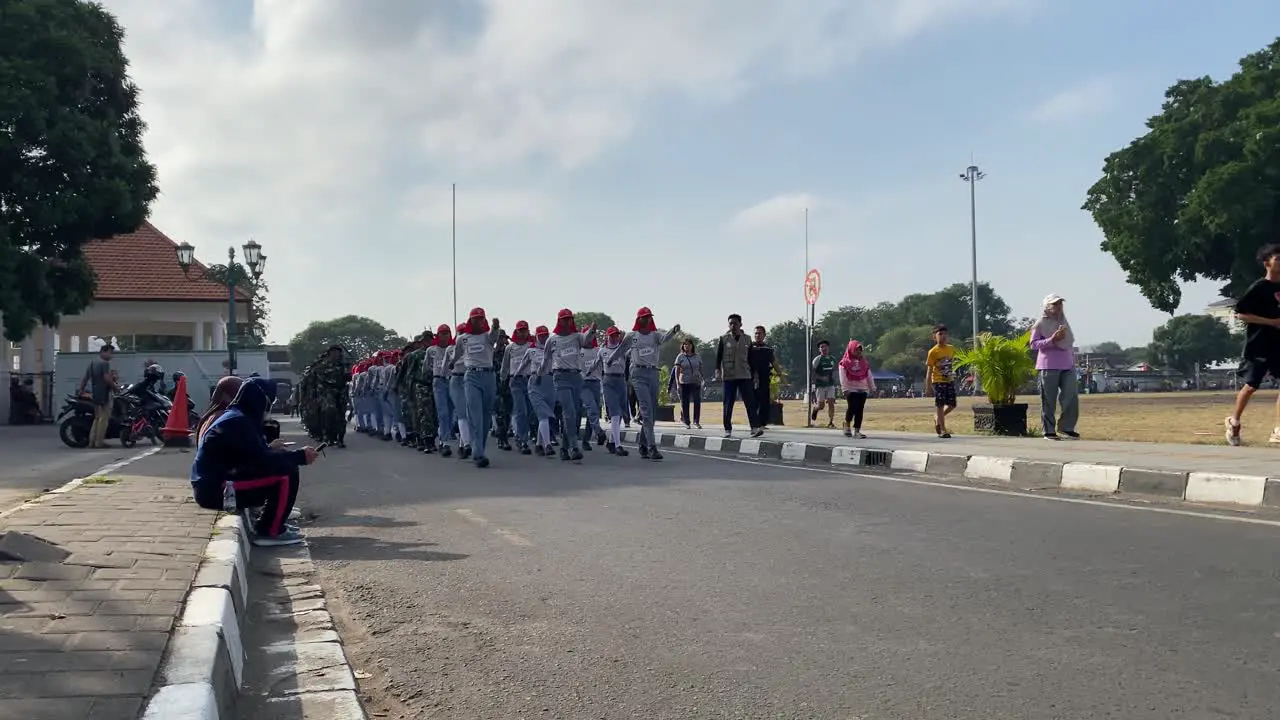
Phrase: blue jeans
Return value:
(481, 390)
(568, 385)
(520, 407)
(444, 408)
(645, 381)
(732, 390)
(542, 397)
(458, 398)
(591, 405)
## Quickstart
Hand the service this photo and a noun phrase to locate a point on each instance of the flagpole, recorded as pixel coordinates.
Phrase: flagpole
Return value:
(454, 192)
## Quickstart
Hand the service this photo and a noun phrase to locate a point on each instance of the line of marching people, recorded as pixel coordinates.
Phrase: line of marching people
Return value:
(533, 391)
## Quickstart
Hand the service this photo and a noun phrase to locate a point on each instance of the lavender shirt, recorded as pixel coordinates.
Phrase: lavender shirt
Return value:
(1049, 355)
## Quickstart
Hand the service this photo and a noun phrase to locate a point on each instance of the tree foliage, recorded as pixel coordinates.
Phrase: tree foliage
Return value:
(359, 336)
(72, 164)
(253, 334)
(896, 335)
(1199, 193)
(1190, 342)
(602, 320)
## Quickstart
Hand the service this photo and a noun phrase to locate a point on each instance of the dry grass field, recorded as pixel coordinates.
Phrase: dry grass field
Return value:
(1173, 417)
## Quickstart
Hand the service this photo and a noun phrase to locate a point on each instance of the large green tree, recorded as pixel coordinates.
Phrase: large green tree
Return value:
(1192, 342)
(359, 336)
(1199, 193)
(72, 165)
(903, 351)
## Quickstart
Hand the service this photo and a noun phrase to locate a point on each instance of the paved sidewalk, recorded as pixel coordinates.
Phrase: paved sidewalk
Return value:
(1262, 461)
(83, 638)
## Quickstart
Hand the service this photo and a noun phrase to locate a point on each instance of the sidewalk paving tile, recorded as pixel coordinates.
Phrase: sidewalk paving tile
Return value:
(84, 638)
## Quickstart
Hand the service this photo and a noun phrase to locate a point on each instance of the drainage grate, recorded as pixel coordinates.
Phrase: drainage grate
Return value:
(876, 458)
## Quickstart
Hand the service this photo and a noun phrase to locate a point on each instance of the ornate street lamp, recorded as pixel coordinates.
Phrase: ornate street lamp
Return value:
(231, 275)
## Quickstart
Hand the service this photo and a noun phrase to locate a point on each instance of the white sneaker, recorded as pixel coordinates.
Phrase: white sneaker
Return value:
(728, 434)
(1233, 432)
(295, 514)
(1275, 436)
(859, 436)
(288, 537)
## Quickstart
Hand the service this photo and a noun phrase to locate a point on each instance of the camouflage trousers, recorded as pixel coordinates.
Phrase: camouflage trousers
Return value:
(424, 404)
(408, 410)
(502, 412)
(333, 417)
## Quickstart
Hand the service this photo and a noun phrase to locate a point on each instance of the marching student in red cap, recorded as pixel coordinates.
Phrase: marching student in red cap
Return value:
(458, 391)
(542, 393)
(521, 410)
(442, 359)
(611, 363)
(477, 341)
(645, 341)
(592, 395)
(562, 358)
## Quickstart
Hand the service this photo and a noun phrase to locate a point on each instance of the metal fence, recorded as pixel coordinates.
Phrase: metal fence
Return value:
(41, 384)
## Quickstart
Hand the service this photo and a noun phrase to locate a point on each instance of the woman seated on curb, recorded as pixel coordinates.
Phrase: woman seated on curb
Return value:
(223, 393)
(233, 449)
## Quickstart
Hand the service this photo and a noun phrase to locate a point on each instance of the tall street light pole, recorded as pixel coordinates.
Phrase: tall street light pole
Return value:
(454, 231)
(972, 175)
(231, 275)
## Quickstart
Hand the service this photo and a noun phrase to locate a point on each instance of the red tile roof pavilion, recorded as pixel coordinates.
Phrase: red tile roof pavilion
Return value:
(142, 266)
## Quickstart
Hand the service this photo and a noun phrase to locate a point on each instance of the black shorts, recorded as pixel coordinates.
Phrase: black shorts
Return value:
(1254, 370)
(944, 395)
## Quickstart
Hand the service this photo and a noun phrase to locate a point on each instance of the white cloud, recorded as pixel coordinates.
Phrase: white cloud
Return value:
(1086, 98)
(432, 206)
(308, 123)
(778, 213)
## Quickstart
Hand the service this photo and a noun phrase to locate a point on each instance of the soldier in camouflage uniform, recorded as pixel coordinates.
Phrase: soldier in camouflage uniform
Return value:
(424, 394)
(309, 401)
(503, 401)
(332, 375)
(403, 387)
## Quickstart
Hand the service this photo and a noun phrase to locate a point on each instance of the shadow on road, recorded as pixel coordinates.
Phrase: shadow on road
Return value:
(355, 547)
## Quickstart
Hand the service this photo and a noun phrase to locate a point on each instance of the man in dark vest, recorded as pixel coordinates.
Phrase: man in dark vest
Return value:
(733, 367)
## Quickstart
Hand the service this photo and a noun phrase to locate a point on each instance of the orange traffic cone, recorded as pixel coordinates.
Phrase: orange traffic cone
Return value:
(177, 431)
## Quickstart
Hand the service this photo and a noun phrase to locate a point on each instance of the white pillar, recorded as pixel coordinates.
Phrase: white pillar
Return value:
(27, 355)
(6, 367)
(197, 336)
(219, 335)
(48, 348)
(76, 343)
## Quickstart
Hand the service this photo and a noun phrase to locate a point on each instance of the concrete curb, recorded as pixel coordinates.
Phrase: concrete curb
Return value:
(203, 666)
(1196, 487)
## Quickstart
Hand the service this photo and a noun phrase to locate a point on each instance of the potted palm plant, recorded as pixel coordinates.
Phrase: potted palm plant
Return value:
(1004, 366)
(775, 405)
(666, 411)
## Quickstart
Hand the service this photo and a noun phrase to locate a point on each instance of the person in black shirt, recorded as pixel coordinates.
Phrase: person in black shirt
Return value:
(763, 362)
(1259, 310)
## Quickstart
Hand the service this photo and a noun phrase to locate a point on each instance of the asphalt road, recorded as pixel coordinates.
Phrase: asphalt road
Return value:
(704, 588)
(33, 459)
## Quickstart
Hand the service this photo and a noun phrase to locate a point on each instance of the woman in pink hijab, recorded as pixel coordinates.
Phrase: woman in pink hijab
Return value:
(223, 394)
(857, 383)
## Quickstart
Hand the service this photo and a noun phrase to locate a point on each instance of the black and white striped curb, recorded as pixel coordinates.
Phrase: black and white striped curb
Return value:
(1199, 487)
(202, 673)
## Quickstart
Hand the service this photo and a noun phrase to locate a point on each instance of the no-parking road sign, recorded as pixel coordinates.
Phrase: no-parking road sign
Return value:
(812, 287)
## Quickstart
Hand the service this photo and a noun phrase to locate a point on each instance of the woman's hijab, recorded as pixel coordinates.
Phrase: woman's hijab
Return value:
(1049, 323)
(854, 364)
(225, 391)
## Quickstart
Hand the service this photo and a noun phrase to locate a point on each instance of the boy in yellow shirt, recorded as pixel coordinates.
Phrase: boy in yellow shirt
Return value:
(939, 378)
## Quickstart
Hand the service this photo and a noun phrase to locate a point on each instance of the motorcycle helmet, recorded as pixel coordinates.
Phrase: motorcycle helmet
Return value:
(153, 372)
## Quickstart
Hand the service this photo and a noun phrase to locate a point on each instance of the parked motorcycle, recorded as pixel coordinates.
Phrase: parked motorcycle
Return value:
(75, 420)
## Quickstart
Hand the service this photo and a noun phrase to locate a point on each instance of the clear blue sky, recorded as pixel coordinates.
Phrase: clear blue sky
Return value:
(618, 153)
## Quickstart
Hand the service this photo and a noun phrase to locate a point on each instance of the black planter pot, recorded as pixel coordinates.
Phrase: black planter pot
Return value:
(775, 414)
(1008, 420)
(665, 413)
